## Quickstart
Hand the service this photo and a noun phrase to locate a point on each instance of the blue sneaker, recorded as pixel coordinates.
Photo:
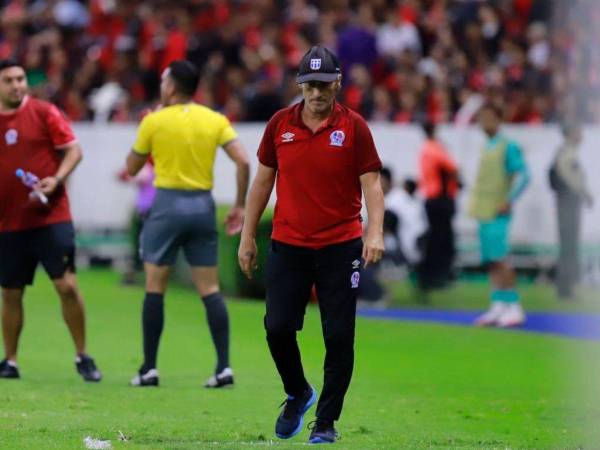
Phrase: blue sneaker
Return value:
(322, 432)
(289, 422)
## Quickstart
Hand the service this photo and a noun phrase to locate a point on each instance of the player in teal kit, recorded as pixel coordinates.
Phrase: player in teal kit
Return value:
(502, 178)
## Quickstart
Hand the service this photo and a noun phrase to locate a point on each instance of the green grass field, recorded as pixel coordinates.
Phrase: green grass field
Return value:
(415, 386)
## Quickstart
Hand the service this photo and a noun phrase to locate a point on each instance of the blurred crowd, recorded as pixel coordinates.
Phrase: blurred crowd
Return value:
(403, 60)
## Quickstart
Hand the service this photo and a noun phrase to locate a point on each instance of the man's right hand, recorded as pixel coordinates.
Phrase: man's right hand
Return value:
(247, 256)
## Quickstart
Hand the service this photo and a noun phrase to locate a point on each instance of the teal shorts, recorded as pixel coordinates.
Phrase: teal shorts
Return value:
(493, 239)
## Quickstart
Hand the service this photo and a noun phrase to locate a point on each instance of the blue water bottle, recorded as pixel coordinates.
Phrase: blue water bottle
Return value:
(30, 180)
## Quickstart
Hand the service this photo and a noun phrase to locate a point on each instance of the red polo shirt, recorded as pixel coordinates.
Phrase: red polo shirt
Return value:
(318, 175)
(30, 139)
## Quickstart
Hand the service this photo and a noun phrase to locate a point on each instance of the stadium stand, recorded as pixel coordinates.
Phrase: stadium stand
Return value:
(404, 61)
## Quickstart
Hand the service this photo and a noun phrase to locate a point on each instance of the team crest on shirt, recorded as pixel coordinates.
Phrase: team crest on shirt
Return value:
(315, 63)
(354, 279)
(337, 138)
(11, 136)
(287, 136)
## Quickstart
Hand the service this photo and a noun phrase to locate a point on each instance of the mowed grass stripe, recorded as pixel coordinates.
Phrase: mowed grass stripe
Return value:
(415, 385)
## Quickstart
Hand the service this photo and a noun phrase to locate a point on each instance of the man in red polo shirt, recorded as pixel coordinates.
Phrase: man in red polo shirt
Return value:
(36, 138)
(322, 157)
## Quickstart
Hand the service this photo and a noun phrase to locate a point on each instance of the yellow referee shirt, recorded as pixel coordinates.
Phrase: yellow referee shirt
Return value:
(183, 140)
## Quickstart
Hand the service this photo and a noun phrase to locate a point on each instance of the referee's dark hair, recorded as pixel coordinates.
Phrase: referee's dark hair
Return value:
(7, 63)
(185, 75)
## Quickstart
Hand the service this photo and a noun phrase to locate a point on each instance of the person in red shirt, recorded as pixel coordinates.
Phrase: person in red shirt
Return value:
(439, 185)
(35, 221)
(322, 158)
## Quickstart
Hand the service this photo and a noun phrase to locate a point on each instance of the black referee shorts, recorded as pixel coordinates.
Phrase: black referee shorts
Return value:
(20, 252)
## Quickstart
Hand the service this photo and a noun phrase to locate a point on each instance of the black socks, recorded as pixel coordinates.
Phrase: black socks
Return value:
(218, 323)
(152, 325)
(153, 321)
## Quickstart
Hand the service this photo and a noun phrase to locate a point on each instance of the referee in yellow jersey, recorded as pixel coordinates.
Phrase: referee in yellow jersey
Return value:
(183, 138)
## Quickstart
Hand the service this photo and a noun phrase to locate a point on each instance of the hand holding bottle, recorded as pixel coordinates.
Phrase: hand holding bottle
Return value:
(31, 181)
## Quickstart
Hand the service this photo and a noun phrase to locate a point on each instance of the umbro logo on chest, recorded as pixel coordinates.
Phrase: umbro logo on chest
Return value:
(287, 137)
(336, 138)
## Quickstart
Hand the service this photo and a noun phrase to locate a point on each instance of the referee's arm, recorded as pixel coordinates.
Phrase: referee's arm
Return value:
(237, 153)
(135, 162)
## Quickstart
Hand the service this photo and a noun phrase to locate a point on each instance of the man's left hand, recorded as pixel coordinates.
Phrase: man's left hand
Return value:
(47, 185)
(234, 220)
(373, 248)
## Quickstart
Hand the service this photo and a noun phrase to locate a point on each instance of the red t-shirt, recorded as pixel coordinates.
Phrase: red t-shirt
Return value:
(318, 175)
(31, 139)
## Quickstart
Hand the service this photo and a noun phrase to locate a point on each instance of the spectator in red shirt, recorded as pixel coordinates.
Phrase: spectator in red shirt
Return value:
(36, 228)
(322, 156)
(439, 185)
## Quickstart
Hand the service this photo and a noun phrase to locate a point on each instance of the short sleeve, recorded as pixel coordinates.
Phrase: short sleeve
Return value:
(515, 162)
(267, 154)
(60, 131)
(143, 142)
(228, 133)
(367, 157)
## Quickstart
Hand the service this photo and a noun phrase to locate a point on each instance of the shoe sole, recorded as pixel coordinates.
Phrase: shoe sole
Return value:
(318, 440)
(153, 383)
(229, 383)
(484, 324)
(92, 380)
(311, 401)
(221, 386)
(512, 324)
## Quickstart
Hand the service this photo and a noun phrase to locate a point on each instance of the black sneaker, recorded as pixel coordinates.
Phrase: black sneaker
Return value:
(289, 422)
(145, 378)
(9, 369)
(322, 432)
(221, 379)
(87, 368)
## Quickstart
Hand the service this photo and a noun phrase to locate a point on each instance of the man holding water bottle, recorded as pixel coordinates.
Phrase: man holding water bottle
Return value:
(38, 151)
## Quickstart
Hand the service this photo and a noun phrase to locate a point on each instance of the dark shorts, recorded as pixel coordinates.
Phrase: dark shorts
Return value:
(20, 252)
(180, 219)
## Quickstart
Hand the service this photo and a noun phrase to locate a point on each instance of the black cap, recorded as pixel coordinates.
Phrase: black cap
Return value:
(318, 64)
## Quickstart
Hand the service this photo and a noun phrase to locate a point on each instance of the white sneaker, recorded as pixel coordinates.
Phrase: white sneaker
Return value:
(149, 378)
(222, 379)
(492, 316)
(514, 316)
